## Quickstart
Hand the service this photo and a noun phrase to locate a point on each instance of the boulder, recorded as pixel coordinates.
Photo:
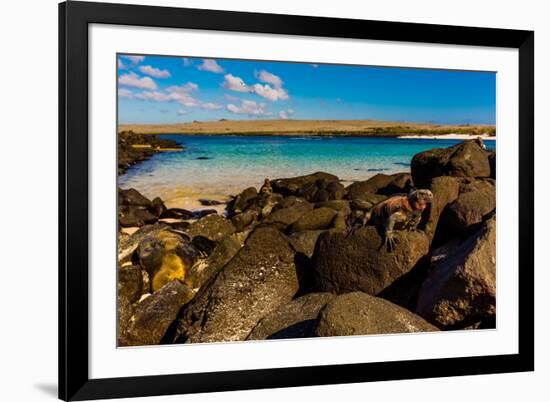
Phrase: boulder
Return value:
(493, 164)
(243, 220)
(304, 242)
(122, 237)
(133, 216)
(359, 261)
(297, 319)
(258, 280)
(316, 219)
(361, 205)
(201, 272)
(203, 245)
(166, 256)
(288, 202)
(400, 183)
(128, 244)
(291, 186)
(157, 207)
(380, 183)
(340, 221)
(337, 205)
(240, 202)
(283, 217)
(322, 190)
(466, 159)
(177, 213)
(132, 197)
(367, 201)
(130, 283)
(358, 313)
(179, 226)
(461, 286)
(153, 316)
(445, 190)
(476, 201)
(125, 309)
(263, 204)
(130, 287)
(214, 227)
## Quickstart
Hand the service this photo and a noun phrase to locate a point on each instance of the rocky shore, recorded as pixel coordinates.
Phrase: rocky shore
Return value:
(282, 261)
(134, 148)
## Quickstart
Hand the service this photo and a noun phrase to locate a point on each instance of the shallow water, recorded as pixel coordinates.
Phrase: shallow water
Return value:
(217, 166)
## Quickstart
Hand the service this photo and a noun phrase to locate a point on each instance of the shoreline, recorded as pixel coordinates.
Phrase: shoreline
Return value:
(190, 199)
(179, 195)
(359, 128)
(454, 136)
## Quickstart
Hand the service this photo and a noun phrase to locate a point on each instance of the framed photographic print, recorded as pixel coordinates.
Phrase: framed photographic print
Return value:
(258, 201)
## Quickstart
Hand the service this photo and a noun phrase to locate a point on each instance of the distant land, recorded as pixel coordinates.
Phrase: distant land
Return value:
(364, 128)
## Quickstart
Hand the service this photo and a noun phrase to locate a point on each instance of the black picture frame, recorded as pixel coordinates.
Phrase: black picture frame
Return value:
(74, 18)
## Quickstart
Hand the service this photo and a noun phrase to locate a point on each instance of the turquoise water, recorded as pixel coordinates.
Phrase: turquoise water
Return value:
(216, 166)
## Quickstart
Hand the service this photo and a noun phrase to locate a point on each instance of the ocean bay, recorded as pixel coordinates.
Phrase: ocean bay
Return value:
(214, 167)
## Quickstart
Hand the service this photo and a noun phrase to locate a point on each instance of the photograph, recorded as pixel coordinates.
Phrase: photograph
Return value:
(268, 200)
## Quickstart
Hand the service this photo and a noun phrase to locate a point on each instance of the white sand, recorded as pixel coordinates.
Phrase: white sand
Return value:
(448, 137)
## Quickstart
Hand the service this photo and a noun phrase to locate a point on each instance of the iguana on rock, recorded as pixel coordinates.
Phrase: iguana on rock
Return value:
(266, 187)
(399, 212)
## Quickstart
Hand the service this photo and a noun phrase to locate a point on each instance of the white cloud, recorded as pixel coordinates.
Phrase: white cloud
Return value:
(121, 64)
(125, 93)
(235, 84)
(210, 65)
(272, 94)
(133, 80)
(181, 94)
(154, 96)
(187, 87)
(315, 65)
(182, 112)
(248, 107)
(266, 76)
(272, 89)
(154, 72)
(211, 106)
(285, 114)
(134, 59)
(187, 62)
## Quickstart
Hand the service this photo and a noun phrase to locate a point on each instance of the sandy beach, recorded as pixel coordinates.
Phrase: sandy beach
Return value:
(367, 128)
(448, 137)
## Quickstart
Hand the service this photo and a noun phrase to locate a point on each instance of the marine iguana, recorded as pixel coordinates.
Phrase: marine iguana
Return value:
(266, 187)
(399, 212)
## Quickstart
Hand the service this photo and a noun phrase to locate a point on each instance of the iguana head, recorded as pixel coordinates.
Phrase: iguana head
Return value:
(420, 198)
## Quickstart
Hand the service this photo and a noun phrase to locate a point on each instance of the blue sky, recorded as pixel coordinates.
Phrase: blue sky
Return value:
(162, 89)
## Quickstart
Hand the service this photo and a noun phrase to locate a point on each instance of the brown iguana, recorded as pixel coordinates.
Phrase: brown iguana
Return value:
(266, 187)
(399, 212)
